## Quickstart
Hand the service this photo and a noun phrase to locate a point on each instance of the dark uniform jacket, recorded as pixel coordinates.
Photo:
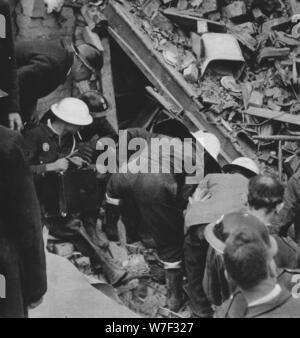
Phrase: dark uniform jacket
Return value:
(236, 305)
(22, 257)
(8, 72)
(283, 306)
(43, 146)
(42, 67)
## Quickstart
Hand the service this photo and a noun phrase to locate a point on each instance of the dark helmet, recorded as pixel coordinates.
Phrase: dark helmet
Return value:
(90, 56)
(96, 102)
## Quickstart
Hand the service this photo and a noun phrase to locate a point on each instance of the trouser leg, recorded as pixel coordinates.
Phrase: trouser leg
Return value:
(195, 252)
(174, 279)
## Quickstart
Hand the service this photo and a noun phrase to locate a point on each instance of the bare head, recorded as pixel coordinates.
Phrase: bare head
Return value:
(265, 196)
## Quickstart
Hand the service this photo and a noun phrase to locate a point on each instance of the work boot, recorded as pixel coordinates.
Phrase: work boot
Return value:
(174, 278)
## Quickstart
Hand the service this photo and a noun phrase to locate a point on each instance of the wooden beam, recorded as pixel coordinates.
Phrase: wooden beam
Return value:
(108, 85)
(273, 115)
(192, 20)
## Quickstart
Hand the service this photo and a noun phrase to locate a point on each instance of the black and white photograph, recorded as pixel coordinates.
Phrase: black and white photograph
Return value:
(149, 162)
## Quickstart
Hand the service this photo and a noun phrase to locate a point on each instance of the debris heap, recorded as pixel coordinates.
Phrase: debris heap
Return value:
(242, 58)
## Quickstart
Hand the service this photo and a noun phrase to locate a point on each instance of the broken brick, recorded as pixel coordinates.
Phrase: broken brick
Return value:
(235, 10)
(209, 6)
(256, 99)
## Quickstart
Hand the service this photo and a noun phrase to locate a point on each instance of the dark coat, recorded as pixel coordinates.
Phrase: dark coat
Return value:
(42, 67)
(8, 78)
(22, 257)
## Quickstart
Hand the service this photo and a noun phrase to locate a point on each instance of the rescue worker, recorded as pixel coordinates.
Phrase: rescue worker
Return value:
(22, 256)
(51, 146)
(9, 106)
(100, 127)
(41, 67)
(217, 195)
(249, 261)
(264, 199)
(290, 213)
(155, 202)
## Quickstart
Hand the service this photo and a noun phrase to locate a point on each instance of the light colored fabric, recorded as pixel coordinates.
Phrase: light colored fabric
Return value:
(227, 193)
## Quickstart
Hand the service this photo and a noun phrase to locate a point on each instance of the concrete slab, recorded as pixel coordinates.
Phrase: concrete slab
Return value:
(71, 296)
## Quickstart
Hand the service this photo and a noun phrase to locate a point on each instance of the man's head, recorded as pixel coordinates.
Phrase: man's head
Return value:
(244, 166)
(96, 102)
(265, 196)
(249, 257)
(217, 234)
(88, 60)
(72, 114)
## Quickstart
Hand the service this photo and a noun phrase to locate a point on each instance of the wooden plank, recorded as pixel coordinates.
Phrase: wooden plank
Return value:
(191, 20)
(273, 115)
(108, 85)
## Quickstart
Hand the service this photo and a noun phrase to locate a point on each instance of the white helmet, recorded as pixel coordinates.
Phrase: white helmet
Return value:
(243, 162)
(73, 111)
(210, 142)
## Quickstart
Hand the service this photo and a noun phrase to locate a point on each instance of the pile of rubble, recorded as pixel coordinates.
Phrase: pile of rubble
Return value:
(242, 58)
(145, 292)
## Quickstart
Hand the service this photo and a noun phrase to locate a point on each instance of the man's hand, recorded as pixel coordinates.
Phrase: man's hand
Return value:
(78, 161)
(36, 304)
(54, 5)
(200, 195)
(15, 121)
(60, 165)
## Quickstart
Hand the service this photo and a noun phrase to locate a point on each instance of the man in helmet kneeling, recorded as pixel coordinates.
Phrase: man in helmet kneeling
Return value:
(216, 195)
(51, 146)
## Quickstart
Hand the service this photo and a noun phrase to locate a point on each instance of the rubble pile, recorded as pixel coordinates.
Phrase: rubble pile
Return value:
(241, 57)
(144, 291)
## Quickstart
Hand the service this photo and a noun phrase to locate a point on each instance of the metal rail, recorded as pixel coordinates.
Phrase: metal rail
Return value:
(167, 80)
